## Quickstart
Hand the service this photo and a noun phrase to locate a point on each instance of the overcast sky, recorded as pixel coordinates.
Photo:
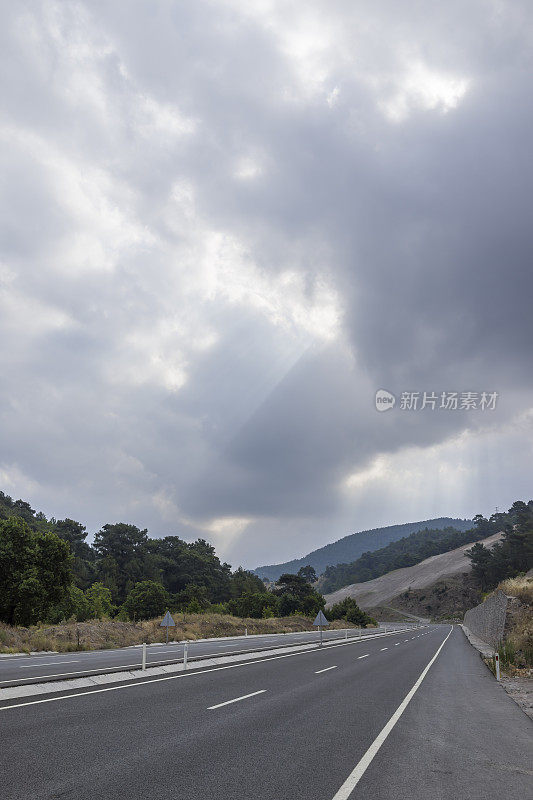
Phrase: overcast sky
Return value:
(226, 225)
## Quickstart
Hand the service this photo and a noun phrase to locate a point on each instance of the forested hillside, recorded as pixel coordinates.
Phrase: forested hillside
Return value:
(403, 552)
(510, 557)
(48, 572)
(350, 547)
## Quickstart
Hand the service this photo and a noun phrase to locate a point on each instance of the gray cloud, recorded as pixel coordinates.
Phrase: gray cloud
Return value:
(226, 226)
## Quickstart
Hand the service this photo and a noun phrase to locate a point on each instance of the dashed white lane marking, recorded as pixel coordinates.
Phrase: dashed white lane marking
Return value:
(406, 640)
(365, 656)
(236, 699)
(137, 683)
(359, 770)
(49, 664)
(383, 648)
(318, 671)
(397, 644)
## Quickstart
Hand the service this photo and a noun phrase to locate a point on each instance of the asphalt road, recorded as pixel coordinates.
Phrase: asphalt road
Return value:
(299, 726)
(54, 666)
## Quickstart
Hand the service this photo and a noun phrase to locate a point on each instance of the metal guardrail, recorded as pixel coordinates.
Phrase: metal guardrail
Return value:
(358, 634)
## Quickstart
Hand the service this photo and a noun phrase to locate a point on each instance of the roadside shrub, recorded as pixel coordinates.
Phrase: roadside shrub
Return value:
(99, 599)
(146, 600)
(349, 610)
(75, 604)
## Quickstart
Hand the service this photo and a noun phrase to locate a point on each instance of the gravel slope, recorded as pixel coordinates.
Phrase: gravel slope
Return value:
(383, 589)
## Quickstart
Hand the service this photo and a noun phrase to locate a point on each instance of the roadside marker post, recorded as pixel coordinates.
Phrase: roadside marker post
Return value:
(185, 651)
(144, 656)
(346, 633)
(497, 662)
(166, 622)
(320, 621)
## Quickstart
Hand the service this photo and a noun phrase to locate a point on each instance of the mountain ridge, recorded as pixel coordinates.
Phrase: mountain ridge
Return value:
(353, 545)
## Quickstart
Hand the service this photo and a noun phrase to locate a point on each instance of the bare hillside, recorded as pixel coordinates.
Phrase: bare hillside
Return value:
(381, 590)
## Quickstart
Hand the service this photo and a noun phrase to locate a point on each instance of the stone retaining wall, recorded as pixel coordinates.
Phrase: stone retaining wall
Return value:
(487, 620)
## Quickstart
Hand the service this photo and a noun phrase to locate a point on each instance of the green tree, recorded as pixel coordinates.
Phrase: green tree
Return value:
(100, 601)
(72, 532)
(308, 573)
(481, 559)
(146, 600)
(254, 604)
(83, 564)
(35, 572)
(122, 557)
(194, 607)
(75, 604)
(349, 610)
(244, 582)
(297, 595)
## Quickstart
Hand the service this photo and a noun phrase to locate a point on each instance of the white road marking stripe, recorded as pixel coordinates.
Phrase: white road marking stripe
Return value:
(397, 644)
(318, 671)
(49, 664)
(365, 656)
(355, 776)
(116, 667)
(383, 648)
(236, 700)
(192, 674)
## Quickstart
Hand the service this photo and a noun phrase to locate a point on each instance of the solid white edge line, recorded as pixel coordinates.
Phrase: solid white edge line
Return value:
(50, 663)
(236, 700)
(132, 682)
(318, 671)
(359, 770)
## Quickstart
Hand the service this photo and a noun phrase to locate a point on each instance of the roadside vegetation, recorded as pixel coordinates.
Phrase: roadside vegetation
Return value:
(516, 651)
(510, 557)
(505, 567)
(108, 633)
(49, 575)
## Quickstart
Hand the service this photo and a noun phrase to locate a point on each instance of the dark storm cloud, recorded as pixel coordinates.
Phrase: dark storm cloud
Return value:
(226, 226)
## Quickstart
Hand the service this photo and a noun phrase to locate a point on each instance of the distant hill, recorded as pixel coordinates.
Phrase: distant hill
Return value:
(350, 547)
(384, 589)
(404, 552)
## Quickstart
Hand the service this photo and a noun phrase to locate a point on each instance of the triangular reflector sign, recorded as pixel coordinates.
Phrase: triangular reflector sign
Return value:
(320, 619)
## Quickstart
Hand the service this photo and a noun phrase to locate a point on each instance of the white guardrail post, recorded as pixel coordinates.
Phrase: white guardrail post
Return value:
(144, 656)
(497, 662)
(185, 651)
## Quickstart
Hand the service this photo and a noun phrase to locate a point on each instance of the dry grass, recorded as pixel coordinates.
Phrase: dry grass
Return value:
(519, 629)
(521, 638)
(518, 587)
(107, 633)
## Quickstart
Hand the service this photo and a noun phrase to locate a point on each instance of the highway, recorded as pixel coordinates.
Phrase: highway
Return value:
(412, 716)
(21, 670)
